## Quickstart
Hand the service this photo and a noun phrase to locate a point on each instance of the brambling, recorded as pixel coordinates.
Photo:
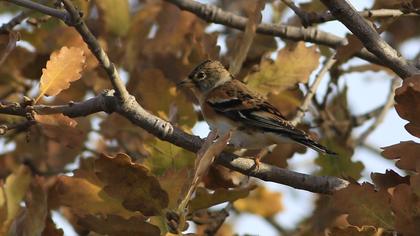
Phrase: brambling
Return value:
(228, 105)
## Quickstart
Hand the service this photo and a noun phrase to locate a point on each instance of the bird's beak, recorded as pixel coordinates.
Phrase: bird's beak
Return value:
(184, 83)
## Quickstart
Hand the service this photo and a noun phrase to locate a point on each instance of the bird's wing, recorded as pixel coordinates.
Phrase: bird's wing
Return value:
(238, 103)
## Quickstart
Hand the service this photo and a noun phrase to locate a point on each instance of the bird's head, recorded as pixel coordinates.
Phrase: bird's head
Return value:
(206, 76)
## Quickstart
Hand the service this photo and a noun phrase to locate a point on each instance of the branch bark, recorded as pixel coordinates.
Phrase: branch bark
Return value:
(347, 15)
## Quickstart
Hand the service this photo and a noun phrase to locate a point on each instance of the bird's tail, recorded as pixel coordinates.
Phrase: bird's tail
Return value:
(306, 141)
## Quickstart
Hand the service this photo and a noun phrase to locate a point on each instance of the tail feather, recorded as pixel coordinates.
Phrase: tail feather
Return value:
(315, 146)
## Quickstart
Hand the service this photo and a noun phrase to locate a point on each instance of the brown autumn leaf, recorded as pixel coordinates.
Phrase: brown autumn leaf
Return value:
(221, 177)
(84, 194)
(118, 226)
(56, 120)
(203, 199)
(353, 46)
(254, 19)
(406, 154)
(7, 44)
(31, 221)
(261, 202)
(205, 157)
(61, 129)
(406, 207)
(175, 183)
(208, 152)
(293, 65)
(389, 179)
(364, 205)
(63, 67)
(131, 183)
(407, 98)
(152, 82)
(84, 197)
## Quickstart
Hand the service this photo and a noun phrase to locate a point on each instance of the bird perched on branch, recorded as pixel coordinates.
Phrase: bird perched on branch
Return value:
(228, 105)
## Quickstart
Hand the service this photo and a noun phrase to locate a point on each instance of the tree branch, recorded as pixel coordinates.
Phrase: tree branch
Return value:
(379, 119)
(216, 15)
(126, 105)
(165, 131)
(370, 38)
(317, 18)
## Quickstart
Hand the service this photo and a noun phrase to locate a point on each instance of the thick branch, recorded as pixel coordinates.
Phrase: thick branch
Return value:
(165, 131)
(345, 13)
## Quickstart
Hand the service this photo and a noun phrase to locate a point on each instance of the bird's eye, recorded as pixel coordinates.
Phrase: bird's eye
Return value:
(200, 75)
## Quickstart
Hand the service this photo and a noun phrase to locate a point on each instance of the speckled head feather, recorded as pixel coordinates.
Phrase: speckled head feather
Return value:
(209, 75)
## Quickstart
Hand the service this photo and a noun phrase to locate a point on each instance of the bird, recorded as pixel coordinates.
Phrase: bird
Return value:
(228, 105)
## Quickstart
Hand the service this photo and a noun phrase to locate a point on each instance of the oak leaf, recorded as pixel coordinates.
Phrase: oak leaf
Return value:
(118, 226)
(407, 99)
(365, 206)
(293, 65)
(115, 14)
(389, 179)
(63, 67)
(406, 154)
(261, 202)
(31, 221)
(132, 183)
(406, 207)
(203, 199)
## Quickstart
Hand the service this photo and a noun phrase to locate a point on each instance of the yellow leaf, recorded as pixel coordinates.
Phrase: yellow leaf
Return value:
(294, 64)
(15, 189)
(115, 14)
(261, 202)
(63, 67)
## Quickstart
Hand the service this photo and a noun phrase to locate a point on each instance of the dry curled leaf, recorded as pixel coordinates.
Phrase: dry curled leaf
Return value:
(63, 67)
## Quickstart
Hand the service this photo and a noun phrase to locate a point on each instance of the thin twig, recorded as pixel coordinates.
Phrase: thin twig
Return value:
(312, 90)
(346, 14)
(15, 21)
(303, 16)
(388, 105)
(361, 119)
(62, 15)
(77, 22)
